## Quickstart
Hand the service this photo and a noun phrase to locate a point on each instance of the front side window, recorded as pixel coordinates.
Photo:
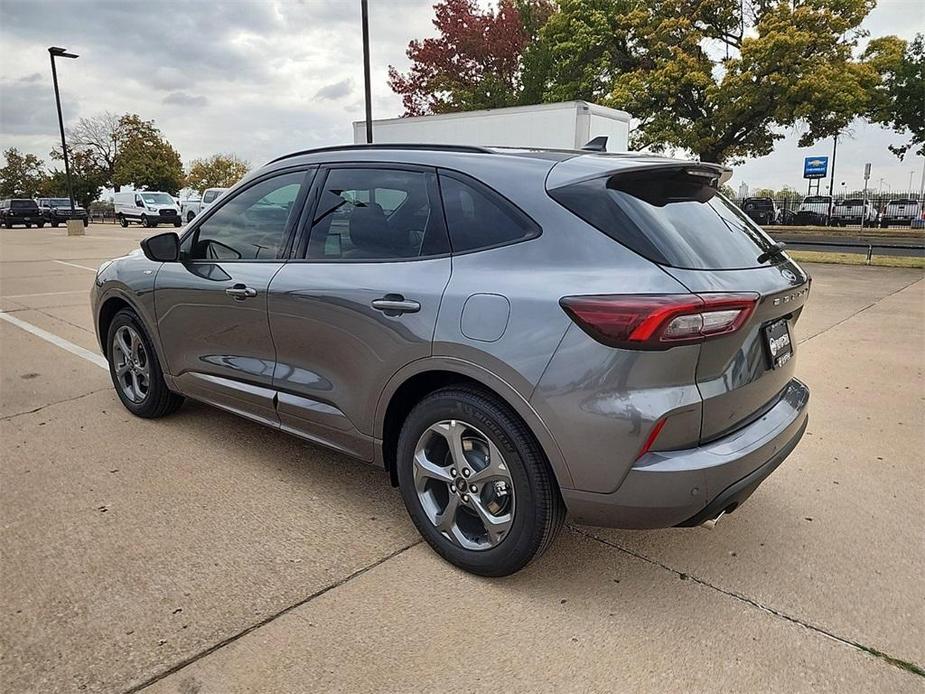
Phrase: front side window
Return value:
(251, 225)
(476, 218)
(376, 214)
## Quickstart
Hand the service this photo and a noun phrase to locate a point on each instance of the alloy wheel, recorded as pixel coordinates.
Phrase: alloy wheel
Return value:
(131, 364)
(464, 485)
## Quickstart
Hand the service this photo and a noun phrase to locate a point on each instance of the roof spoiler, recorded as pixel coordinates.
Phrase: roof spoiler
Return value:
(598, 144)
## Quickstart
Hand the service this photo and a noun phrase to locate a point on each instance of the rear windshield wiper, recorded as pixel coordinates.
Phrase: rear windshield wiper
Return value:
(776, 249)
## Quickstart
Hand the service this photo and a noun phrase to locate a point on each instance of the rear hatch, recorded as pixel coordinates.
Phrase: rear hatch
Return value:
(674, 216)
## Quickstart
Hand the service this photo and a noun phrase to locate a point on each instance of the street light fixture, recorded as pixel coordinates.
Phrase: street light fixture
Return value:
(56, 52)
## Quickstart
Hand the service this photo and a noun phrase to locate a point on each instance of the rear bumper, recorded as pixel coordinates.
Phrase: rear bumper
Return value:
(686, 487)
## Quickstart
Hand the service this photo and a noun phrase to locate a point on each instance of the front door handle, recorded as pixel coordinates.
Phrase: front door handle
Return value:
(241, 292)
(395, 305)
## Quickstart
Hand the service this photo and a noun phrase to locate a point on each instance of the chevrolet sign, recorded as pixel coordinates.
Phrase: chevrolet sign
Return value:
(815, 167)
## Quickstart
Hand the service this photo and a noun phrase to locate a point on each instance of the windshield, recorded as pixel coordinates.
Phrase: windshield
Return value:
(670, 217)
(59, 202)
(157, 198)
(816, 200)
(853, 203)
(22, 204)
(210, 195)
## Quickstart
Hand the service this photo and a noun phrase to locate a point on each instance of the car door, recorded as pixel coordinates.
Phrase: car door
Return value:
(212, 305)
(359, 301)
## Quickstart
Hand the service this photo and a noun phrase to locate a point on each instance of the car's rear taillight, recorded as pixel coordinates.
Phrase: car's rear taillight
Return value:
(658, 321)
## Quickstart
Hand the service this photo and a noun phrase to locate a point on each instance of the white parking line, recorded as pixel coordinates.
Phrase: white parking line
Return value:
(82, 267)
(91, 357)
(25, 296)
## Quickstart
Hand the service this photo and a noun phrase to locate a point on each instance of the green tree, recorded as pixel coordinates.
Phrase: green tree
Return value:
(720, 78)
(217, 171)
(902, 97)
(87, 178)
(146, 160)
(22, 175)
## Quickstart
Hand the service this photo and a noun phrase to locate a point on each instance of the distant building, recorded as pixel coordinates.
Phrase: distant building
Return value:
(743, 190)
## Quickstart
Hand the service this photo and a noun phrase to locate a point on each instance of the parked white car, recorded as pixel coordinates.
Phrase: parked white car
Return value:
(901, 211)
(854, 211)
(815, 209)
(146, 207)
(190, 208)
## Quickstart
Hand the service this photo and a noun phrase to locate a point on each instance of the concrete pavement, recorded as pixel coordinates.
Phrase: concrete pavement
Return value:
(203, 553)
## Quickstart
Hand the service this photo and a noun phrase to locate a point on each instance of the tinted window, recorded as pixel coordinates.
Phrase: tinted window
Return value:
(249, 226)
(210, 195)
(478, 218)
(670, 217)
(24, 204)
(376, 214)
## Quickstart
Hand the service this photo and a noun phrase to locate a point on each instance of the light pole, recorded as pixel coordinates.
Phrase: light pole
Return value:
(911, 174)
(53, 52)
(364, 8)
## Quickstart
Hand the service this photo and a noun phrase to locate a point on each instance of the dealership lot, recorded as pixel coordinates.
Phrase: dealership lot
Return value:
(203, 553)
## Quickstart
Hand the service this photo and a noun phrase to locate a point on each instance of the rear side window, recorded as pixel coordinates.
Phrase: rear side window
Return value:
(670, 217)
(377, 214)
(478, 218)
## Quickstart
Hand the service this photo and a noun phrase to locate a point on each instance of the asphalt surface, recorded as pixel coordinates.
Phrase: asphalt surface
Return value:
(907, 247)
(203, 553)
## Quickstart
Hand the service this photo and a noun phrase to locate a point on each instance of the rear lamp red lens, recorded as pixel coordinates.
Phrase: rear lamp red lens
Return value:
(659, 321)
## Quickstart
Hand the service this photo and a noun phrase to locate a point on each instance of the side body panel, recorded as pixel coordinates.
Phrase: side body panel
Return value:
(335, 352)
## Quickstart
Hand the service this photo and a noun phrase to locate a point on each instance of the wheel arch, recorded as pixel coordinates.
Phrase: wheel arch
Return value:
(416, 380)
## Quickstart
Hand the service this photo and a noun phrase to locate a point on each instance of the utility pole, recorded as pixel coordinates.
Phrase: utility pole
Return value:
(832, 175)
(364, 7)
(53, 52)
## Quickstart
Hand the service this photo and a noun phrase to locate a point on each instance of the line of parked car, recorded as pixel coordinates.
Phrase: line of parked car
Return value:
(822, 210)
(41, 211)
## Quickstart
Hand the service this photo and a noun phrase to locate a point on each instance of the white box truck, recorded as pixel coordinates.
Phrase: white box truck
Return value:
(564, 125)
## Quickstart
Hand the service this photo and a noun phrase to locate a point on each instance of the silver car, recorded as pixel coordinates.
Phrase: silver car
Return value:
(511, 334)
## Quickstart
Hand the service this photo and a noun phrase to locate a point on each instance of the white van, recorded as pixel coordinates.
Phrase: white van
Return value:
(146, 207)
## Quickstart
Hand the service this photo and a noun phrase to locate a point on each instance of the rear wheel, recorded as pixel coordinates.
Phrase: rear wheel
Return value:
(476, 483)
(86, 222)
(135, 371)
(8, 224)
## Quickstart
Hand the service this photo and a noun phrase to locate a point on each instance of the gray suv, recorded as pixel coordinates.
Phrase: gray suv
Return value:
(512, 334)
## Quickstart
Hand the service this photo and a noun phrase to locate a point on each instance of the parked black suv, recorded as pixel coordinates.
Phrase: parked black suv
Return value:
(56, 211)
(761, 210)
(20, 211)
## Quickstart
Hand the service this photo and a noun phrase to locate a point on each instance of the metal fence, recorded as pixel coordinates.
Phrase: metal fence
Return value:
(788, 204)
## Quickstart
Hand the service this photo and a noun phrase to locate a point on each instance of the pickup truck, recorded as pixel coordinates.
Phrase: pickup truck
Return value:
(20, 211)
(57, 211)
(190, 208)
(854, 211)
(900, 211)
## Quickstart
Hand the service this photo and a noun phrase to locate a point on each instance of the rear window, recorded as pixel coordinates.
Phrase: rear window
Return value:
(22, 204)
(902, 202)
(670, 217)
(815, 200)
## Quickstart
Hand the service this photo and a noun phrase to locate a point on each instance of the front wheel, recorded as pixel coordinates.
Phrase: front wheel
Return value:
(178, 223)
(135, 370)
(54, 225)
(123, 222)
(144, 221)
(190, 216)
(41, 225)
(475, 482)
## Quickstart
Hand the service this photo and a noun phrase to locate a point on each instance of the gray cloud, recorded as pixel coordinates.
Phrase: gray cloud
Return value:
(337, 90)
(184, 99)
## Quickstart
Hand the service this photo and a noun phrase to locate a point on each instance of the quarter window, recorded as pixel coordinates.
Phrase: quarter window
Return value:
(251, 225)
(376, 214)
(477, 218)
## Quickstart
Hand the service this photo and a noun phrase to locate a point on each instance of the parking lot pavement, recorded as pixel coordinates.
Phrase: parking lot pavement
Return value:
(204, 553)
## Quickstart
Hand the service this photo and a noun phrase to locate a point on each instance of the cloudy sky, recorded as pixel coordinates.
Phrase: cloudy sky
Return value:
(264, 77)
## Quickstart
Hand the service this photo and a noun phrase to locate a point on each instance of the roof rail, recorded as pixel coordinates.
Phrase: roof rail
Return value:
(472, 149)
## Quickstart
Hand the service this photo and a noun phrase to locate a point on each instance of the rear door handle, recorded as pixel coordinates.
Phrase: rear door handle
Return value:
(395, 305)
(241, 292)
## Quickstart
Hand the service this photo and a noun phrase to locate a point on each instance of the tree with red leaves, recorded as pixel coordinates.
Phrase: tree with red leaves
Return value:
(476, 62)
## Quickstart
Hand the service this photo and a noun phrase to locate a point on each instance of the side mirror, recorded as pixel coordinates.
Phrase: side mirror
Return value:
(163, 248)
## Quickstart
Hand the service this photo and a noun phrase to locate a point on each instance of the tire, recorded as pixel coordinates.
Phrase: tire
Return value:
(28, 225)
(178, 223)
(54, 225)
(534, 505)
(190, 216)
(8, 225)
(156, 400)
(86, 223)
(41, 225)
(144, 221)
(123, 222)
